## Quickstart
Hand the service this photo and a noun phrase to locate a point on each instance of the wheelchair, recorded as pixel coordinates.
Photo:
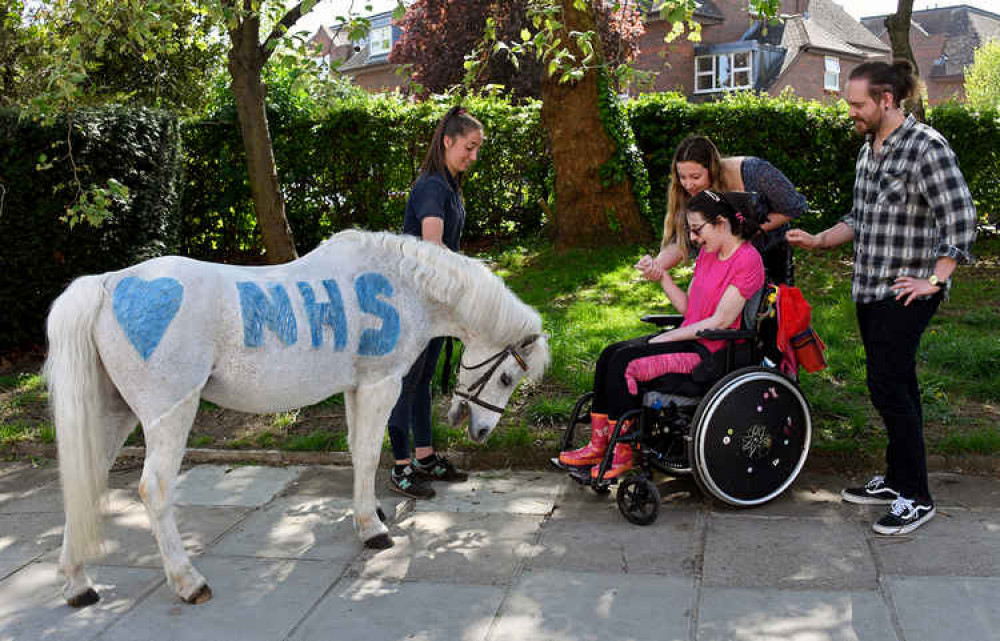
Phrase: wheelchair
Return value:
(737, 424)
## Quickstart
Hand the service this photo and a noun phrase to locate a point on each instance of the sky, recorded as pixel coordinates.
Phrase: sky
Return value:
(326, 11)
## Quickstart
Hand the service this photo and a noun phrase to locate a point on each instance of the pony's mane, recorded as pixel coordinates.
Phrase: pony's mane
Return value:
(479, 298)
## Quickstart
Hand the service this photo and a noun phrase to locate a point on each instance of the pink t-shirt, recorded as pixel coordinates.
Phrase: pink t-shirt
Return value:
(744, 270)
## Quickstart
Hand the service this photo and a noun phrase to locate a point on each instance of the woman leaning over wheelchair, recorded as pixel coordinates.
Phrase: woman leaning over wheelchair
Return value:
(727, 272)
(697, 165)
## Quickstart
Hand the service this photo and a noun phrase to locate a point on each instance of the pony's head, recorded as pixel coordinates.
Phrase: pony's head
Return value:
(488, 375)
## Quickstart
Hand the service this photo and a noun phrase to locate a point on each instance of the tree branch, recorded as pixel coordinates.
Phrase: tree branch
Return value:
(280, 29)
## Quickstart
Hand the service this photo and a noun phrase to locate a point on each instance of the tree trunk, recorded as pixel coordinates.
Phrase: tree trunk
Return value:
(586, 214)
(898, 25)
(246, 63)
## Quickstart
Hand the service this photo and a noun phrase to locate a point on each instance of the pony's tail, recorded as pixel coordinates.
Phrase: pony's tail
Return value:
(78, 395)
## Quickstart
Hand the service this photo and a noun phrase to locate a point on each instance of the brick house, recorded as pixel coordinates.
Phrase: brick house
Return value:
(811, 50)
(944, 41)
(368, 65)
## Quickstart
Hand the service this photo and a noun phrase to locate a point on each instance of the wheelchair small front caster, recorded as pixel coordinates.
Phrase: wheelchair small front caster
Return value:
(639, 500)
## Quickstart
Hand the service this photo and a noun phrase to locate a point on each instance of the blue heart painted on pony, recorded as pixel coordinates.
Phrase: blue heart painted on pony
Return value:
(145, 308)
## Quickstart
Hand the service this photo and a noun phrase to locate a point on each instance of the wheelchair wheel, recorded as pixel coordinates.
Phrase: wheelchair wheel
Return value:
(639, 500)
(750, 437)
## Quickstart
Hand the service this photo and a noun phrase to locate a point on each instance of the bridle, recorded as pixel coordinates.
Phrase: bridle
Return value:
(494, 362)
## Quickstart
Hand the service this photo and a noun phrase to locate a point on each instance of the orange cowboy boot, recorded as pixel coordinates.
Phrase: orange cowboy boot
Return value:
(592, 452)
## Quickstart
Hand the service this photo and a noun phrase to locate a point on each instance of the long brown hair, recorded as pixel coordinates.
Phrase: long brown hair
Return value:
(697, 149)
(455, 123)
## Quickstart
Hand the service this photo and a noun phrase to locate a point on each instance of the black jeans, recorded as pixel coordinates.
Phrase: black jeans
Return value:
(891, 334)
(413, 409)
(611, 395)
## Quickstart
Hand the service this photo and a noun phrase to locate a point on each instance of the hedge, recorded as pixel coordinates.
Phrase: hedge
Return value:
(39, 253)
(353, 168)
(350, 163)
(812, 143)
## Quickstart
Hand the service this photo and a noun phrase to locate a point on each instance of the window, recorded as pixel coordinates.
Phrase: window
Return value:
(831, 74)
(723, 71)
(380, 41)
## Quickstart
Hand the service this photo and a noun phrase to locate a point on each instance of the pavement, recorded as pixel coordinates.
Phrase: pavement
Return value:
(506, 555)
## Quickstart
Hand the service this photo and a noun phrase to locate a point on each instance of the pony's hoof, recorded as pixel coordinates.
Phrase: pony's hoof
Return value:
(381, 514)
(379, 542)
(201, 596)
(84, 599)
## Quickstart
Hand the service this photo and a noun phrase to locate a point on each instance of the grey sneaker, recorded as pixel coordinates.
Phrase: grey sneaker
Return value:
(904, 516)
(876, 492)
(410, 483)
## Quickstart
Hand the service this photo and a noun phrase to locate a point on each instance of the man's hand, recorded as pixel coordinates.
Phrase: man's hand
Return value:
(911, 288)
(802, 238)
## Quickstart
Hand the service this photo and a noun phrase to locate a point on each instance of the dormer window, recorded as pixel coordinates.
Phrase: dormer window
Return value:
(380, 41)
(723, 71)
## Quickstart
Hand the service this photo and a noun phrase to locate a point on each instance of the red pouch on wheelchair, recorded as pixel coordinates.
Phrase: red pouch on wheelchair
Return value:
(808, 348)
(796, 339)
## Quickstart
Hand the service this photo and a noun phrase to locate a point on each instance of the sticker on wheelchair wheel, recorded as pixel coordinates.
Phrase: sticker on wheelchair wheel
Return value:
(751, 436)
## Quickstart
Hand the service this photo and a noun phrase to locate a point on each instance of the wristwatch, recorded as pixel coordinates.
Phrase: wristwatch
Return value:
(934, 280)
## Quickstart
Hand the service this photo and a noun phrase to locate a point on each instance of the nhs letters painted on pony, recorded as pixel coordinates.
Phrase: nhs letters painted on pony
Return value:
(145, 344)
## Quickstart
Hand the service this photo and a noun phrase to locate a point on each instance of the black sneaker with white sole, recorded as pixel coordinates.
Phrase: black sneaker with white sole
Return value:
(904, 516)
(440, 469)
(410, 483)
(876, 492)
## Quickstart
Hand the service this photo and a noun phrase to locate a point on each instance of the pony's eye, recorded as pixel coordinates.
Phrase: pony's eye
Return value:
(505, 379)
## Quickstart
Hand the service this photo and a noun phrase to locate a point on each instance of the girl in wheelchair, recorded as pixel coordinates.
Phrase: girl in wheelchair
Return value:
(728, 271)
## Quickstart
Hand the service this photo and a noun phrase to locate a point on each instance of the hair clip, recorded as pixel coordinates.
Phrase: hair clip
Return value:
(711, 194)
(739, 216)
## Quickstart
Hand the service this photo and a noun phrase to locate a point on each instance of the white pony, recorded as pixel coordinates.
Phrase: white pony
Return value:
(144, 344)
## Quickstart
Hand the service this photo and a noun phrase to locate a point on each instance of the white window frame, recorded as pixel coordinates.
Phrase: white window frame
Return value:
(831, 73)
(728, 61)
(380, 41)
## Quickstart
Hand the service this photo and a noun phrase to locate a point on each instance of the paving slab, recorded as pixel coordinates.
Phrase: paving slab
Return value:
(322, 481)
(961, 490)
(501, 491)
(32, 607)
(613, 545)
(249, 486)
(779, 552)
(253, 600)
(300, 526)
(23, 481)
(933, 608)
(377, 610)
(463, 547)
(26, 537)
(738, 614)
(955, 543)
(571, 606)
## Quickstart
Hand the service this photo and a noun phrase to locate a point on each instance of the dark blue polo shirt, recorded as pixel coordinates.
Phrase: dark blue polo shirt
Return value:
(435, 195)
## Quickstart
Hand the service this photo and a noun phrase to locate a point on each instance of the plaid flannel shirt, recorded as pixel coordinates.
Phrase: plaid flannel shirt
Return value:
(911, 206)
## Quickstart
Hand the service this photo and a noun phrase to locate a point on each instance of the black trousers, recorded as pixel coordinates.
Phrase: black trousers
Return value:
(891, 334)
(611, 395)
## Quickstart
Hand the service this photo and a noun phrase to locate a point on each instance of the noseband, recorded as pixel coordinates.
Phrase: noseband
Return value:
(472, 396)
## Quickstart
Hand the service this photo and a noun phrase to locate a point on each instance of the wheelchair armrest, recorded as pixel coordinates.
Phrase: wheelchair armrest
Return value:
(663, 320)
(726, 334)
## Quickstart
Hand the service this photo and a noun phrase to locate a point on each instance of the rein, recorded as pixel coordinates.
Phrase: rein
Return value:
(477, 387)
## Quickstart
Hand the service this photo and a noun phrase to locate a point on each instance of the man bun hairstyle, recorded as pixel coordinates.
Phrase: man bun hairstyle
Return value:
(896, 79)
(456, 122)
(735, 206)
